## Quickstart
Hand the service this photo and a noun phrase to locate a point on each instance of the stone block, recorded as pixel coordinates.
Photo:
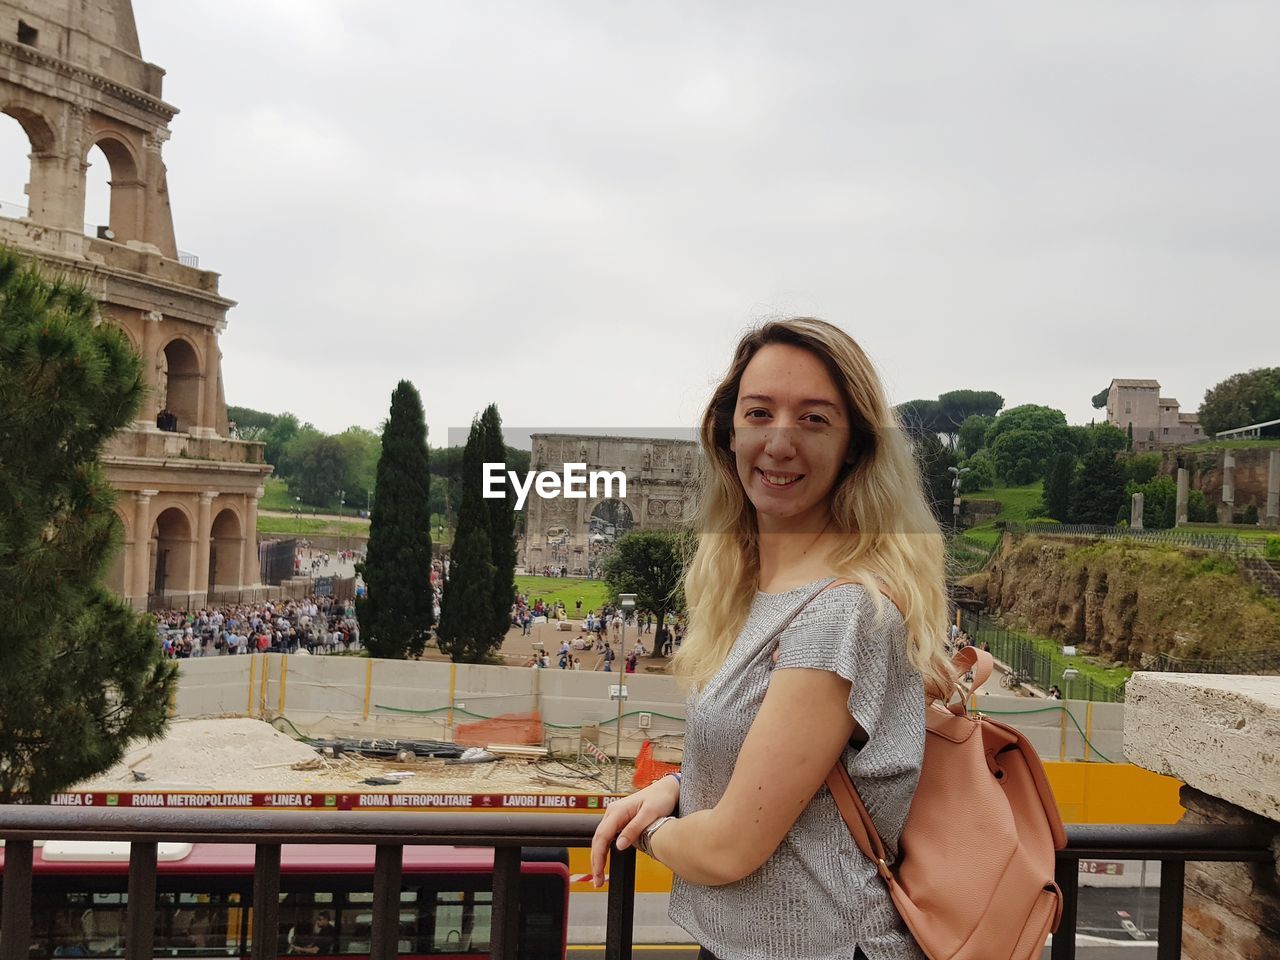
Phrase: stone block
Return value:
(1219, 734)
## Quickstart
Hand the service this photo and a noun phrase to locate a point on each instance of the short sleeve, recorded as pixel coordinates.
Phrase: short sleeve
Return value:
(841, 630)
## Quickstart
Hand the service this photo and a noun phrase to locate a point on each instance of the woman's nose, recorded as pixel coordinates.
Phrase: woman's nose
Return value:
(780, 443)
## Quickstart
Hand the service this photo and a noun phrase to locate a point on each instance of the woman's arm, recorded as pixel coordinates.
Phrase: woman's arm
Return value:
(797, 737)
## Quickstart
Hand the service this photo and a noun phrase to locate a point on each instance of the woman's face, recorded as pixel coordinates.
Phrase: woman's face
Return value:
(790, 437)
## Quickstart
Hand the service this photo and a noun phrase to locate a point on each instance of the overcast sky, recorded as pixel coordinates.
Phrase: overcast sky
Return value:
(573, 209)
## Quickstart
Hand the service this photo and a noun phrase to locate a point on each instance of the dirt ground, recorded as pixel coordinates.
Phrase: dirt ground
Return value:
(238, 753)
(516, 649)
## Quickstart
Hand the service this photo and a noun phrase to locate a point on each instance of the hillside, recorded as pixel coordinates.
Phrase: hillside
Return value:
(1122, 600)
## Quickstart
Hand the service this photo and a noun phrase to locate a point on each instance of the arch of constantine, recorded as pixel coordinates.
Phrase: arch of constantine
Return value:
(72, 75)
(575, 533)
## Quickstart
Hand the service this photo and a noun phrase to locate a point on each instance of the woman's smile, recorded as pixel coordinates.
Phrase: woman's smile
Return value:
(778, 480)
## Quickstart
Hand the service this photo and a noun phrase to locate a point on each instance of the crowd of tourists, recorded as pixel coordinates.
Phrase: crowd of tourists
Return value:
(314, 625)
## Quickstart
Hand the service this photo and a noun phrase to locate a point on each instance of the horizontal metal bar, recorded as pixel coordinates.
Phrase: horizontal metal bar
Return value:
(479, 828)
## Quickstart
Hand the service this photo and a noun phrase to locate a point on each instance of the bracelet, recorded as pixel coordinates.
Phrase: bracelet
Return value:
(646, 835)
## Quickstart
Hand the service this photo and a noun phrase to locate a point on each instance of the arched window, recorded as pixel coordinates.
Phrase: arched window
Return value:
(171, 569)
(226, 551)
(97, 193)
(179, 387)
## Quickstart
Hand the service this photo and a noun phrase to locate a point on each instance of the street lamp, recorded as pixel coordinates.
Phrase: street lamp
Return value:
(297, 512)
(956, 474)
(341, 502)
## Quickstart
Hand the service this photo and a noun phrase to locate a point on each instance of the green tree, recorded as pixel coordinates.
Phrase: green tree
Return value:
(920, 417)
(277, 437)
(364, 448)
(1159, 502)
(973, 434)
(322, 466)
(981, 475)
(396, 612)
(957, 406)
(933, 458)
(83, 673)
(1099, 399)
(1022, 440)
(650, 563)
(252, 424)
(1057, 487)
(1143, 468)
(1099, 492)
(502, 525)
(1240, 400)
(467, 633)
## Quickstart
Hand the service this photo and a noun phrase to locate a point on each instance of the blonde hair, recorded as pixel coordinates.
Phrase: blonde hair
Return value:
(879, 497)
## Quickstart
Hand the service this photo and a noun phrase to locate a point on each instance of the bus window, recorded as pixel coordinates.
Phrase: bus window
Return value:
(463, 921)
(355, 926)
(190, 923)
(77, 923)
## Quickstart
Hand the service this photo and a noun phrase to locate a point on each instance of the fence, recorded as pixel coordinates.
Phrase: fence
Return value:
(1236, 547)
(1037, 666)
(967, 554)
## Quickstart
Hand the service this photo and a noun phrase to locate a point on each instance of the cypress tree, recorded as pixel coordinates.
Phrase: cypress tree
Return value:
(502, 526)
(396, 612)
(82, 672)
(1057, 487)
(466, 631)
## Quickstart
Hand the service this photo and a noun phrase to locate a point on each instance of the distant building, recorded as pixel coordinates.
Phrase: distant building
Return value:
(1155, 420)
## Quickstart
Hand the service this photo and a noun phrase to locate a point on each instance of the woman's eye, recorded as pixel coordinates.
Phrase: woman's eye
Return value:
(818, 418)
(751, 414)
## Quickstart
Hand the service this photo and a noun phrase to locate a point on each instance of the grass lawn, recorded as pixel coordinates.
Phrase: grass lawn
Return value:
(594, 593)
(288, 526)
(1233, 530)
(1015, 504)
(277, 497)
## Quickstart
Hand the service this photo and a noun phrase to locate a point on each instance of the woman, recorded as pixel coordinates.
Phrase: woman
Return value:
(807, 478)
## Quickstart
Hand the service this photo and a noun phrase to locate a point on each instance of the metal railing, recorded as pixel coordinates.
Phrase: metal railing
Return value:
(1233, 546)
(1031, 662)
(20, 826)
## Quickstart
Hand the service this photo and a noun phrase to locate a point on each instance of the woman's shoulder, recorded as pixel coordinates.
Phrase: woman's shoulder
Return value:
(853, 603)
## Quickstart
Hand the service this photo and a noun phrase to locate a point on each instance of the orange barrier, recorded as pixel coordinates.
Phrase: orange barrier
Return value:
(649, 770)
(508, 728)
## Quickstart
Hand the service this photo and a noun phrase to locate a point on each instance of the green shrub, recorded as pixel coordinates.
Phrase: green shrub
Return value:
(1272, 549)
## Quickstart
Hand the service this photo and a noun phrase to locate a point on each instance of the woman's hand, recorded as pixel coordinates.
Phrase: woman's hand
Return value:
(627, 817)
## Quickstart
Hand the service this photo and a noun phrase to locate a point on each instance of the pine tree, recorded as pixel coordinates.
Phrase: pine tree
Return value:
(83, 673)
(502, 526)
(396, 613)
(466, 631)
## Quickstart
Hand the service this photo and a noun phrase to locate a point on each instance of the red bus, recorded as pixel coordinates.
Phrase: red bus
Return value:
(205, 900)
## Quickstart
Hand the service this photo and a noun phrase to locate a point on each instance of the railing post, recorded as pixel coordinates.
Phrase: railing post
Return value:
(1067, 875)
(15, 932)
(140, 914)
(1172, 875)
(388, 861)
(622, 904)
(266, 901)
(505, 938)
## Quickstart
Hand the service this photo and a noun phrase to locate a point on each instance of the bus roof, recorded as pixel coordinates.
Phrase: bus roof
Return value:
(102, 857)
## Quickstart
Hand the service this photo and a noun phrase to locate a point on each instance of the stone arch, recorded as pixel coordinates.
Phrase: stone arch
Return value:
(19, 134)
(39, 130)
(174, 547)
(226, 550)
(124, 182)
(178, 384)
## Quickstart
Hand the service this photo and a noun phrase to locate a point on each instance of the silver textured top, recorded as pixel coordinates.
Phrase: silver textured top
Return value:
(817, 897)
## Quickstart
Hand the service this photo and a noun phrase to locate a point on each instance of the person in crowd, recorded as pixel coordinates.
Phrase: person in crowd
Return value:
(817, 616)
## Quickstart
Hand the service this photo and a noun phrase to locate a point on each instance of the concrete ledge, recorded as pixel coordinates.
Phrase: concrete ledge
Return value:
(1219, 734)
